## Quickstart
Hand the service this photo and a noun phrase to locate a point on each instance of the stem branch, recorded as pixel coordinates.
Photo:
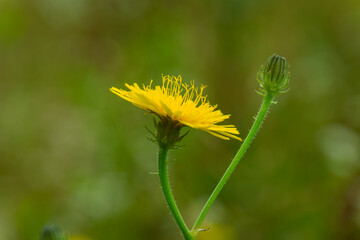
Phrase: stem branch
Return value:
(165, 185)
(252, 133)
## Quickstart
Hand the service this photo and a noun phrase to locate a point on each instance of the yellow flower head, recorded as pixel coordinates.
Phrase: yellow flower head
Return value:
(182, 103)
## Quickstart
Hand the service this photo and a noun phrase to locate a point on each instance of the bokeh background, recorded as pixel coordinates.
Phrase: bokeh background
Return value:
(74, 154)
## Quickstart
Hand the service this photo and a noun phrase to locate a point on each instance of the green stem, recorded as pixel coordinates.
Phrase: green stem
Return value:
(254, 129)
(165, 185)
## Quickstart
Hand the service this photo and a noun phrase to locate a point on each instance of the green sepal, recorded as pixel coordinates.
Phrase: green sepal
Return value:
(167, 133)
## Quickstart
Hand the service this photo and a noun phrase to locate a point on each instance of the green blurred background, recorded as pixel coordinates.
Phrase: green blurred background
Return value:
(74, 154)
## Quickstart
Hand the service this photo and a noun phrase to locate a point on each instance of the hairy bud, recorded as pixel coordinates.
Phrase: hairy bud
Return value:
(274, 76)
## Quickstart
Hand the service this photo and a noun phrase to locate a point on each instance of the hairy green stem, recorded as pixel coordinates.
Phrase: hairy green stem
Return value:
(165, 185)
(252, 133)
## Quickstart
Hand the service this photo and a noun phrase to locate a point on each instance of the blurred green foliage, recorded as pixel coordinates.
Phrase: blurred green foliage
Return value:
(52, 232)
(74, 154)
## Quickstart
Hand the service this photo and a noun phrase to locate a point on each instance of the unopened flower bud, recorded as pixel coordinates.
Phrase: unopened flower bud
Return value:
(274, 76)
(52, 232)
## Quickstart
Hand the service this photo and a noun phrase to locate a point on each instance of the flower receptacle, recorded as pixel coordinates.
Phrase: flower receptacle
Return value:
(167, 133)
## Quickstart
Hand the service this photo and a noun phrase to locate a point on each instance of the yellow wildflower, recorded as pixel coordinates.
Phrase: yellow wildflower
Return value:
(182, 103)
